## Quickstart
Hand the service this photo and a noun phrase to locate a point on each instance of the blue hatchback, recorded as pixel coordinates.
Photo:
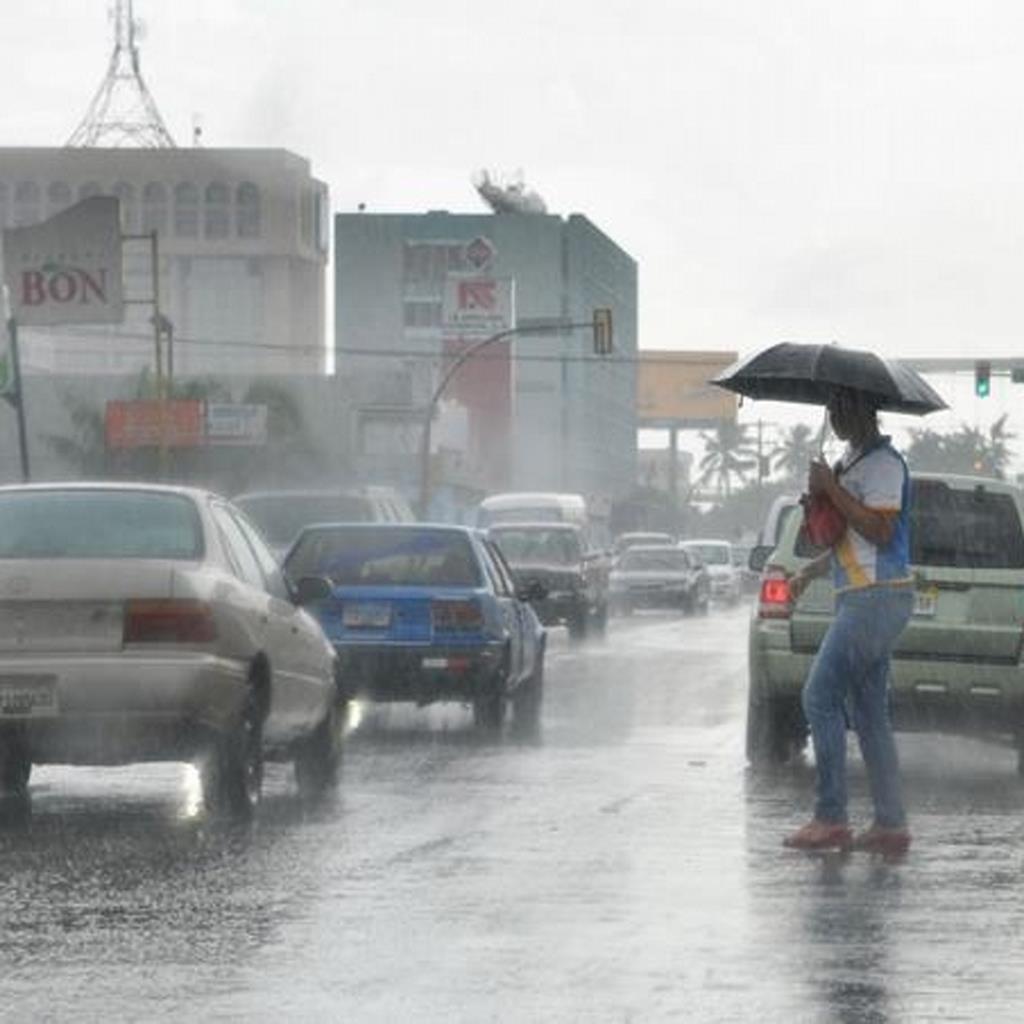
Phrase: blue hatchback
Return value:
(425, 613)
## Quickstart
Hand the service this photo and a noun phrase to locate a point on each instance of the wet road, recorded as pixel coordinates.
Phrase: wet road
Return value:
(625, 868)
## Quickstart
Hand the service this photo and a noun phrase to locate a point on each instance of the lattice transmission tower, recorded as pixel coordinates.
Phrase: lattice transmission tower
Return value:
(122, 112)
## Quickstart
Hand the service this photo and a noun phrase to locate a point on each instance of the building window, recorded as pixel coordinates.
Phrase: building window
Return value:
(217, 211)
(154, 208)
(26, 203)
(421, 314)
(431, 262)
(90, 188)
(126, 194)
(186, 210)
(247, 200)
(58, 197)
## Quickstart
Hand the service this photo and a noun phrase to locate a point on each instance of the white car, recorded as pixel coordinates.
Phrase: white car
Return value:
(726, 580)
(149, 623)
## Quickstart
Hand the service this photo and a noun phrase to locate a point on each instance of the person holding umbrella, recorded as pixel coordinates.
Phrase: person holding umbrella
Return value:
(869, 562)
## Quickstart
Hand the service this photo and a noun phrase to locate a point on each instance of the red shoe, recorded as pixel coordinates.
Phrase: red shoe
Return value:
(890, 842)
(820, 835)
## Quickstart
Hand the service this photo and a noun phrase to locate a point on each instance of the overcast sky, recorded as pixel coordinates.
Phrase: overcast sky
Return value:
(796, 169)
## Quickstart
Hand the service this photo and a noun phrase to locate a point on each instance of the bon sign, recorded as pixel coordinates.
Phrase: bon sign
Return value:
(67, 270)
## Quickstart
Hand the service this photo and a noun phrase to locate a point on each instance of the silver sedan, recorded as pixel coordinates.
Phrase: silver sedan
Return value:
(144, 623)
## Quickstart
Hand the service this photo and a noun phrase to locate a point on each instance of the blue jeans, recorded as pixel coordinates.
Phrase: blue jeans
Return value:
(853, 662)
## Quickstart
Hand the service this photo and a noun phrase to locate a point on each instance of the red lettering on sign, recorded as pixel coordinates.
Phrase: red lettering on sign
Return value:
(63, 287)
(33, 291)
(90, 284)
(477, 295)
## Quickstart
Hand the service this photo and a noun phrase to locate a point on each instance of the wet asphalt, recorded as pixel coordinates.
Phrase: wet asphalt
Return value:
(624, 867)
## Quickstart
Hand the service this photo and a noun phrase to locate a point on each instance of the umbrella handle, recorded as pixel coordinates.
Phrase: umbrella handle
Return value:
(822, 434)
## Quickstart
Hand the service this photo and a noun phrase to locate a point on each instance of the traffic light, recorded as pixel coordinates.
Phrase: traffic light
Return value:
(982, 379)
(603, 340)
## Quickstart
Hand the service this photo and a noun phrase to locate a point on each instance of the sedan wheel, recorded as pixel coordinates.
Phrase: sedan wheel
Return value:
(527, 701)
(319, 757)
(15, 766)
(233, 771)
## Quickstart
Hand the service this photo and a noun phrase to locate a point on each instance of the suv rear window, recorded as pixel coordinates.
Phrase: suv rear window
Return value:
(976, 529)
(99, 524)
(955, 528)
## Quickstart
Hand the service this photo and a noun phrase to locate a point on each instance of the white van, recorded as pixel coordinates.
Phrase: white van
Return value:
(545, 507)
(532, 507)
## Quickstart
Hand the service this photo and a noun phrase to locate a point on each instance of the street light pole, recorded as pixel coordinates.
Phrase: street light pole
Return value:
(552, 327)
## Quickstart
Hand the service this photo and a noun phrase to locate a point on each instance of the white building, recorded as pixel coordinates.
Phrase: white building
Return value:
(243, 241)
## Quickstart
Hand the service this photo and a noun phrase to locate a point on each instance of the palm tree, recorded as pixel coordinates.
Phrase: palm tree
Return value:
(728, 454)
(998, 452)
(795, 453)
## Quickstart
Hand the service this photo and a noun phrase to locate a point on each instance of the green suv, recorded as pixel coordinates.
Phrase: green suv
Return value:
(956, 668)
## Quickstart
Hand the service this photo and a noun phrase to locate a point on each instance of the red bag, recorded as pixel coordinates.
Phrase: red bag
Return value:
(824, 523)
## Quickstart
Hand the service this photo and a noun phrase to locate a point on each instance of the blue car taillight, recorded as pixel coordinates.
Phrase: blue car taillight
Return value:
(456, 615)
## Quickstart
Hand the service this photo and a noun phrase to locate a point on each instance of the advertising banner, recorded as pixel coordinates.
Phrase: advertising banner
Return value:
(138, 424)
(477, 306)
(67, 270)
(673, 390)
(229, 423)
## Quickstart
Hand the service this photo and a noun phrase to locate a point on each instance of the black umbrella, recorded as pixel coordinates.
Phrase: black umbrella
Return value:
(790, 372)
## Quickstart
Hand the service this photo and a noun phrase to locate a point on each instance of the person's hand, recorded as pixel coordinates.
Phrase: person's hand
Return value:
(798, 584)
(819, 477)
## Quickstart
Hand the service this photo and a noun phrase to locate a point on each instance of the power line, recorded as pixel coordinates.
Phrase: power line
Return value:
(377, 353)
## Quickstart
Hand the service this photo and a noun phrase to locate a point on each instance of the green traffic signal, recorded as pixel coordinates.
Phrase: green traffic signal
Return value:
(982, 379)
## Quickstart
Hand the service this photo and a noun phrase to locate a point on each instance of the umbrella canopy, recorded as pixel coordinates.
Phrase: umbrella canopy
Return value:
(790, 372)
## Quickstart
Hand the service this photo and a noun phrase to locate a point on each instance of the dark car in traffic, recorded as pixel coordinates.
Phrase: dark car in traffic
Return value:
(659, 576)
(426, 613)
(574, 579)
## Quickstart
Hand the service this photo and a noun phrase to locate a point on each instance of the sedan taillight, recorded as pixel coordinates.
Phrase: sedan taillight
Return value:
(168, 621)
(456, 615)
(776, 599)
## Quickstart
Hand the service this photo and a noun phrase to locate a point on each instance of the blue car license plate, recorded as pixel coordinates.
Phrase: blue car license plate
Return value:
(366, 615)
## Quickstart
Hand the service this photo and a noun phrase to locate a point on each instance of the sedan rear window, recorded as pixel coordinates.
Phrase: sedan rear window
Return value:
(371, 556)
(653, 561)
(99, 524)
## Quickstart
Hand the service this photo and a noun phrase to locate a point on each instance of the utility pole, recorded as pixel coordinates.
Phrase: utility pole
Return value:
(600, 326)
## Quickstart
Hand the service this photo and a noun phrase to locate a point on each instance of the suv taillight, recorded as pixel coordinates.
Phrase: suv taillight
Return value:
(776, 599)
(456, 615)
(168, 621)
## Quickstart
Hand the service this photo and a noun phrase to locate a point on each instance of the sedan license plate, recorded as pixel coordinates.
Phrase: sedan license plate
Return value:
(366, 616)
(28, 696)
(925, 602)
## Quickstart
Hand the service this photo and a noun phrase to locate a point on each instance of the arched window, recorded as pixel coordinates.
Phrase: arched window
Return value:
(247, 200)
(90, 188)
(27, 203)
(186, 210)
(217, 211)
(58, 197)
(129, 215)
(154, 207)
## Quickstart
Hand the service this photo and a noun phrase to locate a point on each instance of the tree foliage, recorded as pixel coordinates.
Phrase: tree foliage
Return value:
(728, 455)
(968, 450)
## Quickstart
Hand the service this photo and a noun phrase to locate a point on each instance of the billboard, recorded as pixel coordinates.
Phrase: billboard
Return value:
(673, 391)
(477, 306)
(138, 424)
(67, 270)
